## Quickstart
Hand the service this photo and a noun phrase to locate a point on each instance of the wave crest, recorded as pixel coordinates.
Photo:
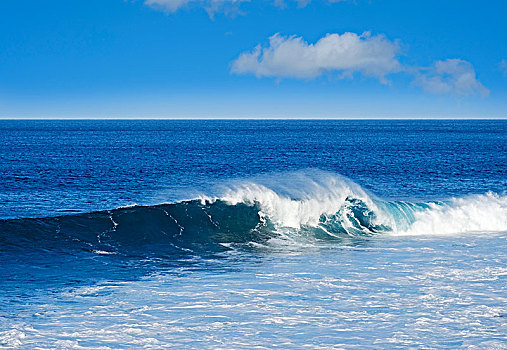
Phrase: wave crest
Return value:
(297, 199)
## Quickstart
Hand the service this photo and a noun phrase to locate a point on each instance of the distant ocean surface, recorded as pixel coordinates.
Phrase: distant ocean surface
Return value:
(266, 234)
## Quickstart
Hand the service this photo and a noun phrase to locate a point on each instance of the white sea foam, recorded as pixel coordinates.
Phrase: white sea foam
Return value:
(11, 339)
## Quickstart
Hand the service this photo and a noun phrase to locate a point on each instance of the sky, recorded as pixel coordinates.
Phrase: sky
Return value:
(253, 59)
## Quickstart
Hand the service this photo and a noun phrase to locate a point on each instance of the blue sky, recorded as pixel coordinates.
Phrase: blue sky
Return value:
(240, 58)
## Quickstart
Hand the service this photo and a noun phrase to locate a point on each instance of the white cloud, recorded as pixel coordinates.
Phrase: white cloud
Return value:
(452, 76)
(348, 53)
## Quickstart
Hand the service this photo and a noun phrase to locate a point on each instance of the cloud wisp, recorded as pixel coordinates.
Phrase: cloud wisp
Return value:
(213, 6)
(503, 67)
(351, 53)
(348, 53)
(301, 3)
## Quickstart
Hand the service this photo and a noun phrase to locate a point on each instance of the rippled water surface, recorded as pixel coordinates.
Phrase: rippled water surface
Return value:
(253, 234)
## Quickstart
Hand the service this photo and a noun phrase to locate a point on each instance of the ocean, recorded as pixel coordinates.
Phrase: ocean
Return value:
(242, 234)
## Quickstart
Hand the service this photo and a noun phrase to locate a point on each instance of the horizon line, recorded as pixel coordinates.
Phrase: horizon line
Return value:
(253, 118)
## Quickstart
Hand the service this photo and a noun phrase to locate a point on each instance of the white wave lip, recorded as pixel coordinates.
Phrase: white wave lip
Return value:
(299, 199)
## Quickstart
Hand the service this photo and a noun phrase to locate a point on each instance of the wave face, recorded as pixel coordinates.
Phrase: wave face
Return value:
(307, 204)
(183, 226)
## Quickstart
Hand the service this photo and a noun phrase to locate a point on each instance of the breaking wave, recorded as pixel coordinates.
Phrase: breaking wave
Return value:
(315, 204)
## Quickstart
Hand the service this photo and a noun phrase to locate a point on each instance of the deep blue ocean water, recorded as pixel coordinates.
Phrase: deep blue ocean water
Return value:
(373, 234)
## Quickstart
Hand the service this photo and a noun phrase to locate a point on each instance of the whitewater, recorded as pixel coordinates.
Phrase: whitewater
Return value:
(318, 199)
